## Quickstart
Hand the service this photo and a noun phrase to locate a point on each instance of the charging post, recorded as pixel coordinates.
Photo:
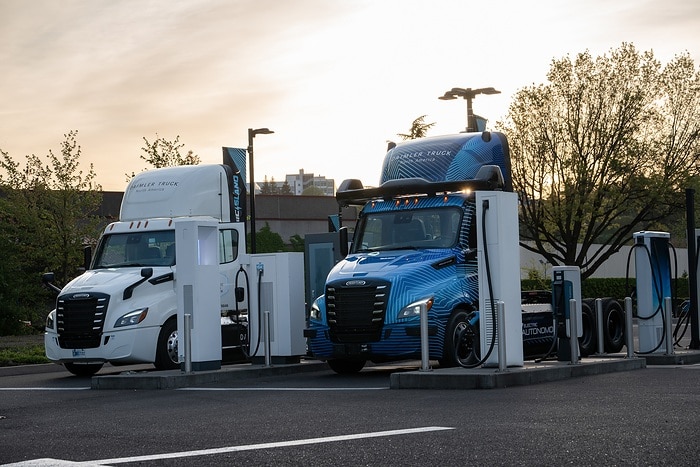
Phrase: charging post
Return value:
(566, 303)
(653, 277)
(499, 276)
(198, 293)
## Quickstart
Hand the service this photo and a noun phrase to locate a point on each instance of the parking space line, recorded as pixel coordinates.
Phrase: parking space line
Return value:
(284, 389)
(252, 447)
(44, 389)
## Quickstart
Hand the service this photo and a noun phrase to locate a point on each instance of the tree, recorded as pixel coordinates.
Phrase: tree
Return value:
(602, 150)
(313, 190)
(267, 241)
(47, 213)
(297, 242)
(419, 129)
(163, 153)
(286, 189)
(269, 187)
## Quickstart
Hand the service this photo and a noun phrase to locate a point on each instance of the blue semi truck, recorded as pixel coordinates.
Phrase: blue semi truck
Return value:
(414, 246)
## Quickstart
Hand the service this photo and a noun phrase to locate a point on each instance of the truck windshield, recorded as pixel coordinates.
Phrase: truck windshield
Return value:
(155, 248)
(412, 229)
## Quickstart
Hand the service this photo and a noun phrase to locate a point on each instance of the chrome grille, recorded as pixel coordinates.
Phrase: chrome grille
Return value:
(80, 319)
(356, 309)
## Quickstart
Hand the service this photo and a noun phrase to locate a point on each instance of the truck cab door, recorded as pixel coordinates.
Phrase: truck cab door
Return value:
(231, 250)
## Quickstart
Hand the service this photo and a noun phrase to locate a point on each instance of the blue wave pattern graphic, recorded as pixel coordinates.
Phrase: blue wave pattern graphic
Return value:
(446, 158)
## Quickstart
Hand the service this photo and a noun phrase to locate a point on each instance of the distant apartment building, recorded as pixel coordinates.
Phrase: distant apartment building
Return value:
(302, 181)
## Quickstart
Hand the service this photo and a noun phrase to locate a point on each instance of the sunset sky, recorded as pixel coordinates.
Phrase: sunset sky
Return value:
(335, 79)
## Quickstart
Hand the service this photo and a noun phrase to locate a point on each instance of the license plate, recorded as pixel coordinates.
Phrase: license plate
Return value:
(78, 352)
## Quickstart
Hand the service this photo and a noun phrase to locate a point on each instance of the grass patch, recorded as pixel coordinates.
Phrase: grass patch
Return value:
(22, 355)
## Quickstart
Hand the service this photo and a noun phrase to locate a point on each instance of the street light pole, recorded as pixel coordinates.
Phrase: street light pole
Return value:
(468, 94)
(251, 135)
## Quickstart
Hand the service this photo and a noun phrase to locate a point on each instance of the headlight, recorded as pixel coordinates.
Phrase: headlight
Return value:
(315, 312)
(413, 309)
(51, 320)
(132, 317)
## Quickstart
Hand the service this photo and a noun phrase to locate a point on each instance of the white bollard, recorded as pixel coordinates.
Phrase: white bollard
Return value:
(187, 340)
(424, 340)
(266, 325)
(573, 331)
(668, 318)
(599, 325)
(629, 332)
(501, 329)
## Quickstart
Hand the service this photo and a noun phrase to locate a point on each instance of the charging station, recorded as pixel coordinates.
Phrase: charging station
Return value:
(321, 253)
(277, 287)
(499, 273)
(653, 272)
(566, 285)
(198, 291)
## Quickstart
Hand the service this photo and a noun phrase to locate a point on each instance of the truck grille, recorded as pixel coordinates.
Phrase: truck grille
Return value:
(80, 318)
(356, 310)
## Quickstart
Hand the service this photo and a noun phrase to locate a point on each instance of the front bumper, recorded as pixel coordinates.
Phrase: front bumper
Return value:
(136, 345)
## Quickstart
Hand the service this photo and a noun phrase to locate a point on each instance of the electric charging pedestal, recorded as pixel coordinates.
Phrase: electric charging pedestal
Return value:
(499, 211)
(198, 292)
(566, 286)
(653, 277)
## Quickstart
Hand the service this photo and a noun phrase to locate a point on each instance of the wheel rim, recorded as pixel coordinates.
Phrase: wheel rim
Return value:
(464, 341)
(171, 347)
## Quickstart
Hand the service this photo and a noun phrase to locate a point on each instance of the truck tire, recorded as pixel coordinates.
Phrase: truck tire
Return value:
(346, 367)
(461, 345)
(613, 325)
(83, 369)
(588, 340)
(166, 348)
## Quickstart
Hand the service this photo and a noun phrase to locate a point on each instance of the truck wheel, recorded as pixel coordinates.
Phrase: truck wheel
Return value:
(461, 341)
(83, 369)
(588, 340)
(166, 350)
(614, 325)
(346, 367)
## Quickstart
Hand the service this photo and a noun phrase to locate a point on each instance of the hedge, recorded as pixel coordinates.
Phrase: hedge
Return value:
(618, 288)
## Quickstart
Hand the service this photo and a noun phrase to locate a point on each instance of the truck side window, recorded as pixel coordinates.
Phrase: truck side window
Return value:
(228, 246)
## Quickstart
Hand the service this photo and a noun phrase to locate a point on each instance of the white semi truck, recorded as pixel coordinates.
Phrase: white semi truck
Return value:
(123, 308)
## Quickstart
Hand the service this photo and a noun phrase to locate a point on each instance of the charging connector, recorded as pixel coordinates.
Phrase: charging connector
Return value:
(260, 267)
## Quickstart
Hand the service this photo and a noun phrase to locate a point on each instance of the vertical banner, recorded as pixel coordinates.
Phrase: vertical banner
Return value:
(235, 159)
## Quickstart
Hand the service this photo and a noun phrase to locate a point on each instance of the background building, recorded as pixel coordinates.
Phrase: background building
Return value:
(302, 181)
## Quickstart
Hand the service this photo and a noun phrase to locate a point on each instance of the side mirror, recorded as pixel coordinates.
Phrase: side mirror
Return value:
(47, 279)
(87, 257)
(343, 238)
(146, 272)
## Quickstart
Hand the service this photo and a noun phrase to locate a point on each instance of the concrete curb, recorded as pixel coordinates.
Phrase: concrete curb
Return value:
(680, 357)
(462, 378)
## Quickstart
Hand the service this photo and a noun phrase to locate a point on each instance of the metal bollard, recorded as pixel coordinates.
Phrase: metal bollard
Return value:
(668, 305)
(629, 333)
(187, 342)
(573, 331)
(599, 324)
(266, 325)
(501, 329)
(424, 340)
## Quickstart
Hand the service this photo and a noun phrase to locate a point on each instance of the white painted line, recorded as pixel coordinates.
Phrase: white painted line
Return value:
(43, 389)
(283, 389)
(252, 447)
